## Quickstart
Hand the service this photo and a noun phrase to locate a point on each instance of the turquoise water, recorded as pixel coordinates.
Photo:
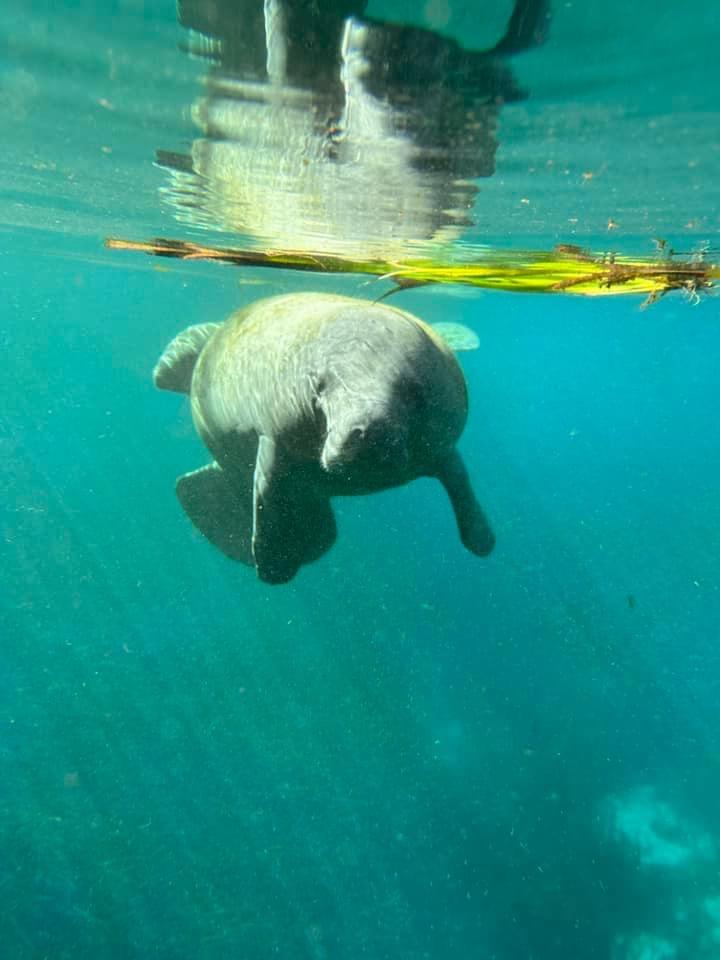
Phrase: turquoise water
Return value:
(407, 752)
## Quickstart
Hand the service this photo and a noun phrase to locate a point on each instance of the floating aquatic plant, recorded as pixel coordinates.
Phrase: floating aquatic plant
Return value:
(565, 269)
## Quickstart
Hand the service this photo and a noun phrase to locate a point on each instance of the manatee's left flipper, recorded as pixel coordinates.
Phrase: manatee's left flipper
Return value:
(473, 525)
(293, 524)
(220, 508)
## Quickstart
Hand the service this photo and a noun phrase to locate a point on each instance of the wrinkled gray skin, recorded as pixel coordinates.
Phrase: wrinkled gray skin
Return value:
(307, 396)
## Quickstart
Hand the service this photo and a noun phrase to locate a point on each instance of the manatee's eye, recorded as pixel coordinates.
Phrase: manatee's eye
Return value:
(356, 434)
(317, 385)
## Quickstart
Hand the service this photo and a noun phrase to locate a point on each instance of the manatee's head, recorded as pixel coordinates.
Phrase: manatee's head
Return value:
(367, 434)
(368, 442)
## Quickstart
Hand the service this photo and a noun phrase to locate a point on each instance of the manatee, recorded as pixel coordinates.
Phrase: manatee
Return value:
(307, 396)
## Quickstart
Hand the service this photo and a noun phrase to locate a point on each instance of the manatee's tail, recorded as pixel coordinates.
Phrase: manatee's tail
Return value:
(174, 369)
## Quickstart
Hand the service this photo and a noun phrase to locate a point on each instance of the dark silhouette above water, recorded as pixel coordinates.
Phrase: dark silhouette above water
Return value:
(321, 128)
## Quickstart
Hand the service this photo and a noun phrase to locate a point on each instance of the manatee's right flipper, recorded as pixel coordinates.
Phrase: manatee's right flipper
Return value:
(294, 524)
(174, 369)
(527, 27)
(473, 525)
(220, 509)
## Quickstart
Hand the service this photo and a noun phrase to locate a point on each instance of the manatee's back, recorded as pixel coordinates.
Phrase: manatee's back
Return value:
(253, 374)
(440, 387)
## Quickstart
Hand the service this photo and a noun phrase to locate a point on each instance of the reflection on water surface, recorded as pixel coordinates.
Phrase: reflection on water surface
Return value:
(322, 129)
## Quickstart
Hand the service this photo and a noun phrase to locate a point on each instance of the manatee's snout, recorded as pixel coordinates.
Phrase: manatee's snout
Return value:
(376, 445)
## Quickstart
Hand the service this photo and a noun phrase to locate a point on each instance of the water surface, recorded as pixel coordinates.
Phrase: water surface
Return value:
(407, 752)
